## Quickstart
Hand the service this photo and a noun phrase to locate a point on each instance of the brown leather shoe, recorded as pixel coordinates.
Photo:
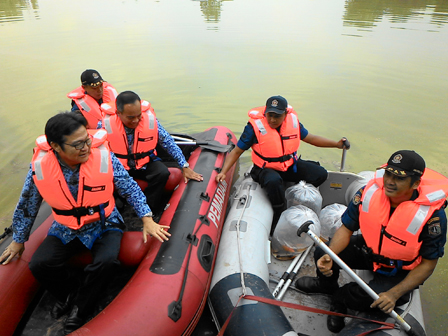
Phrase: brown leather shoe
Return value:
(313, 285)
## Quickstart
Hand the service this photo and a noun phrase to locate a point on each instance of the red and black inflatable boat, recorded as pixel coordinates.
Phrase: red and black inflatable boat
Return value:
(167, 292)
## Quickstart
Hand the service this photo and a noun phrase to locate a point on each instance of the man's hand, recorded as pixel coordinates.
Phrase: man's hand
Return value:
(190, 174)
(343, 143)
(324, 264)
(11, 251)
(220, 177)
(155, 230)
(386, 302)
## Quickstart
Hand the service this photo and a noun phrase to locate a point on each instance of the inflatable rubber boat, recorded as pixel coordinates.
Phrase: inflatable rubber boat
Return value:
(166, 291)
(245, 266)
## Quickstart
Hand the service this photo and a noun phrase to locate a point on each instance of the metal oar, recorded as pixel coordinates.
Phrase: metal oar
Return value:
(285, 275)
(292, 275)
(305, 228)
(344, 152)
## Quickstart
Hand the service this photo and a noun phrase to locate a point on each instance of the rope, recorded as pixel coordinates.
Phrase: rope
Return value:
(385, 325)
(246, 201)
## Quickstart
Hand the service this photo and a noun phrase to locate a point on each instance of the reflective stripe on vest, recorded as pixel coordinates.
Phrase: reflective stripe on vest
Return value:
(295, 121)
(38, 165)
(436, 195)
(104, 165)
(106, 124)
(261, 126)
(368, 196)
(83, 104)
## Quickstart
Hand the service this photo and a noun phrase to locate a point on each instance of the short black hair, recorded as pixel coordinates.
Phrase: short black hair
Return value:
(414, 178)
(63, 124)
(126, 97)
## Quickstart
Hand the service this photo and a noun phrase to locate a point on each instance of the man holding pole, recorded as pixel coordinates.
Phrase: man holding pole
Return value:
(401, 215)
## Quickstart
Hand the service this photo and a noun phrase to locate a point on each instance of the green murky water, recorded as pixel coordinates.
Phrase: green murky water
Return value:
(373, 71)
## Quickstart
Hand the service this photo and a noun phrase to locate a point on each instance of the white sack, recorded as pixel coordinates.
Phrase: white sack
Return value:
(304, 194)
(285, 242)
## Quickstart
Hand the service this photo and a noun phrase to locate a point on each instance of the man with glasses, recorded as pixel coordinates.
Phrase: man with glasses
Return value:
(90, 95)
(274, 133)
(75, 173)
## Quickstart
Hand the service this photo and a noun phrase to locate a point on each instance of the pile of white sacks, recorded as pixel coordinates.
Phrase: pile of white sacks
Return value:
(304, 203)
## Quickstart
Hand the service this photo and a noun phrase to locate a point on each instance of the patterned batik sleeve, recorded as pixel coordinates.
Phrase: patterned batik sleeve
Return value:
(26, 210)
(128, 188)
(167, 142)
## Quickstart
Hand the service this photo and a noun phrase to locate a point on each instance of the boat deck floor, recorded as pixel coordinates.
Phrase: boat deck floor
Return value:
(303, 322)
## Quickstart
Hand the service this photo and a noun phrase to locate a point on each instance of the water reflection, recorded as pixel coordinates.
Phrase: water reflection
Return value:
(17, 10)
(211, 10)
(366, 13)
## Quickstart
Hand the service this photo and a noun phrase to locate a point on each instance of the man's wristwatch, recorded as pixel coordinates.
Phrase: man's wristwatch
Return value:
(186, 165)
(149, 214)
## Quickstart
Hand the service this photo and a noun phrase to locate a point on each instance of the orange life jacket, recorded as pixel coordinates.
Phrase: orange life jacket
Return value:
(396, 237)
(95, 191)
(275, 149)
(89, 107)
(146, 135)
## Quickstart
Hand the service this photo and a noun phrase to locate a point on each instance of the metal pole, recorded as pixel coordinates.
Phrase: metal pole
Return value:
(294, 272)
(358, 280)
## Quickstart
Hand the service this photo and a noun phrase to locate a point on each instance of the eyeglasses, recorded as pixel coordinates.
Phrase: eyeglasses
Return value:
(80, 144)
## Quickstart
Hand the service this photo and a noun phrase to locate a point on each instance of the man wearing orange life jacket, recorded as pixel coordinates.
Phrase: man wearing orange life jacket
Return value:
(75, 173)
(401, 216)
(90, 95)
(133, 134)
(274, 133)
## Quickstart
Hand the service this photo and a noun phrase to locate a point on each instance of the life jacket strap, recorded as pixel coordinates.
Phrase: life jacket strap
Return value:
(387, 262)
(134, 156)
(81, 211)
(283, 158)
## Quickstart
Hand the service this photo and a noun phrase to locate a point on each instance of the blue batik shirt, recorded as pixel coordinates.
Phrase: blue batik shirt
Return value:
(30, 201)
(165, 140)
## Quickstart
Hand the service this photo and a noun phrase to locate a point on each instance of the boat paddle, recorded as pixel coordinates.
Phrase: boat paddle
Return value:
(210, 145)
(289, 276)
(305, 228)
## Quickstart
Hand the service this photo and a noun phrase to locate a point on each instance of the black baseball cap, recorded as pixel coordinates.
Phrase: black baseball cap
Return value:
(405, 163)
(276, 104)
(91, 77)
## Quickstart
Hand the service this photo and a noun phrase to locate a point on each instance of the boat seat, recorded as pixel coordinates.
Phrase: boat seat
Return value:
(173, 180)
(132, 251)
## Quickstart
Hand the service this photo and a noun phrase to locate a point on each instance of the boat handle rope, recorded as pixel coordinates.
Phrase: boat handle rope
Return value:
(385, 325)
(238, 224)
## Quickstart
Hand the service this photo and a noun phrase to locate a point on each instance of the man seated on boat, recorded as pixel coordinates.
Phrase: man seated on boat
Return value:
(66, 160)
(274, 133)
(90, 95)
(401, 215)
(133, 134)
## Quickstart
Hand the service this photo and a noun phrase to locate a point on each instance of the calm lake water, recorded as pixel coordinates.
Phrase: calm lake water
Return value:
(373, 71)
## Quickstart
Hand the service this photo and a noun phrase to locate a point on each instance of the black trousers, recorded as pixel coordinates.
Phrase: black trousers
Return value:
(156, 174)
(49, 267)
(351, 294)
(272, 180)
